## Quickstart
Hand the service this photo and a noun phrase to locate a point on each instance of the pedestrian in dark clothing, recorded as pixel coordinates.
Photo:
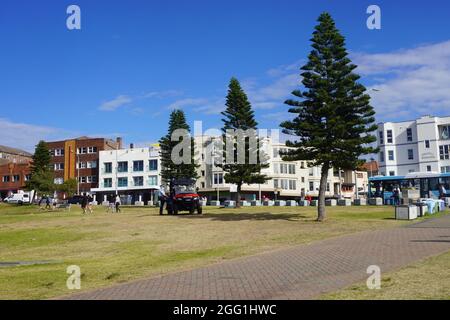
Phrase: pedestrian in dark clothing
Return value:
(47, 203)
(84, 202)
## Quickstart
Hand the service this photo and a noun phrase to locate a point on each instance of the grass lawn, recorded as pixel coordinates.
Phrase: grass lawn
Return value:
(427, 279)
(113, 248)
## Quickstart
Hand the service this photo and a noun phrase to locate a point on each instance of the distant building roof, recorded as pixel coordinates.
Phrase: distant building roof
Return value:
(370, 166)
(15, 151)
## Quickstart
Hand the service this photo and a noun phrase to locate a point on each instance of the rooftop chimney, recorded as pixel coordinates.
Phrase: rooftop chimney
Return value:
(119, 142)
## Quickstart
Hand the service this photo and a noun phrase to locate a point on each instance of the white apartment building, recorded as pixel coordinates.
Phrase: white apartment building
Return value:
(289, 180)
(133, 173)
(421, 145)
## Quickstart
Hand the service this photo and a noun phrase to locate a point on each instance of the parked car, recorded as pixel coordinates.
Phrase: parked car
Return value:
(75, 199)
(184, 197)
(20, 198)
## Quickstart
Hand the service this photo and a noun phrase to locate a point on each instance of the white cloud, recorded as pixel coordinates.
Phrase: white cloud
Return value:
(116, 103)
(411, 82)
(188, 102)
(26, 136)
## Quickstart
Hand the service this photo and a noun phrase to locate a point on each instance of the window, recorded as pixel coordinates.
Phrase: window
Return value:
(153, 180)
(392, 173)
(27, 177)
(92, 150)
(218, 178)
(444, 152)
(15, 178)
(92, 164)
(381, 156)
(302, 165)
(138, 166)
(59, 152)
(389, 136)
(328, 187)
(303, 179)
(283, 168)
(284, 184)
(91, 179)
(411, 171)
(82, 179)
(292, 184)
(122, 166)
(311, 172)
(381, 135)
(107, 183)
(410, 154)
(108, 167)
(138, 181)
(203, 185)
(391, 155)
(59, 166)
(82, 150)
(311, 186)
(427, 144)
(153, 165)
(445, 169)
(58, 181)
(81, 165)
(122, 182)
(275, 168)
(409, 136)
(429, 168)
(275, 183)
(203, 173)
(292, 169)
(445, 132)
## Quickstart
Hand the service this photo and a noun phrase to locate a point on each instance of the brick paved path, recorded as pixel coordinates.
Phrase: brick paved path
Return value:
(300, 272)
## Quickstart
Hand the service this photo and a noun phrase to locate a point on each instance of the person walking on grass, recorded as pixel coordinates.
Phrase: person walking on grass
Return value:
(47, 204)
(162, 199)
(111, 207)
(84, 203)
(118, 203)
(89, 204)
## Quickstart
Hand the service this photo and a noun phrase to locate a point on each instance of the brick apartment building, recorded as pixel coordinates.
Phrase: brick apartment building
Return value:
(14, 170)
(8, 154)
(79, 159)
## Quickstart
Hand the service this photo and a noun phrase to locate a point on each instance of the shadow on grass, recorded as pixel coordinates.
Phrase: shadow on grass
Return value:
(255, 216)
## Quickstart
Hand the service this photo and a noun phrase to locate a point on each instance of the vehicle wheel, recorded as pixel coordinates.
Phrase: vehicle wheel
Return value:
(199, 210)
(20, 203)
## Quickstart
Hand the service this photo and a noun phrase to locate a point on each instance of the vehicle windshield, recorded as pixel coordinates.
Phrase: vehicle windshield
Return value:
(184, 189)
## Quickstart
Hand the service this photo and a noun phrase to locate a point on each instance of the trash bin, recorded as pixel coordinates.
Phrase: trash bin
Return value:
(405, 212)
(422, 209)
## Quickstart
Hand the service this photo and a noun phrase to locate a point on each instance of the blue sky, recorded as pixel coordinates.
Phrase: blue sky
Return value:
(133, 61)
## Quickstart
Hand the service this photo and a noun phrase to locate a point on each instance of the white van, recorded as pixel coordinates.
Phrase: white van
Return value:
(20, 197)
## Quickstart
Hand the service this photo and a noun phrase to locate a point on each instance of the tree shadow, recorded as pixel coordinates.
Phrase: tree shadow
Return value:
(255, 216)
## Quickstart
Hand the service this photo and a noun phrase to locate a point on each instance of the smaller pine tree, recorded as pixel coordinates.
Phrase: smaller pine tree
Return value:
(169, 169)
(240, 116)
(41, 176)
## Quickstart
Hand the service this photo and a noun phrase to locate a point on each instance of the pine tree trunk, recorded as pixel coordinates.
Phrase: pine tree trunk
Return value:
(322, 189)
(238, 196)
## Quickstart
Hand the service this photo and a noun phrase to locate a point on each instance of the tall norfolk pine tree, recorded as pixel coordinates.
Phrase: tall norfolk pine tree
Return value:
(41, 176)
(240, 116)
(170, 170)
(334, 118)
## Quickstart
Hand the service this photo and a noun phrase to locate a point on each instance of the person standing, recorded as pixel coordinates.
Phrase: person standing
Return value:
(162, 199)
(118, 202)
(111, 204)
